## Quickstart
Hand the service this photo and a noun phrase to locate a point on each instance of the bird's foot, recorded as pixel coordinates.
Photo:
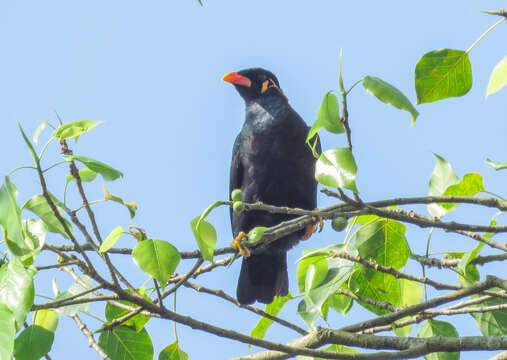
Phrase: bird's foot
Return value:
(311, 228)
(236, 244)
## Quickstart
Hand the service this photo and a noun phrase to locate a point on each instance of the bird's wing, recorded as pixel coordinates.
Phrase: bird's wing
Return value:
(236, 174)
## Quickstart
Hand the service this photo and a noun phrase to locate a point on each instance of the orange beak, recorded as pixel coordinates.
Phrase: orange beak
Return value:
(237, 79)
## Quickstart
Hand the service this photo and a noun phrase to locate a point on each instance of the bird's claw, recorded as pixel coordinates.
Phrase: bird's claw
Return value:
(236, 244)
(311, 228)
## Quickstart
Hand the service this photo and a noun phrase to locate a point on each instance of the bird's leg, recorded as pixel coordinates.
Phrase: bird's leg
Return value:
(311, 228)
(236, 244)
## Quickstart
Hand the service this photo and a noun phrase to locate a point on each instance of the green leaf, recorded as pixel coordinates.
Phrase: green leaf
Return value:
(259, 331)
(206, 237)
(315, 274)
(35, 237)
(410, 294)
(38, 131)
(7, 332)
(309, 315)
(126, 344)
(328, 117)
(10, 219)
(441, 178)
(339, 271)
(470, 185)
(388, 94)
(498, 78)
(78, 287)
(46, 318)
(33, 343)
(28, 143)
(35, 234)
(74, 129)
(38, 205)
(431, 328)
(337, 168)
(470, 276)
(441, 74)
(318, 262)
(256, 234)
(86, 175)
(317, 258)
(107, 172)
(492, 323)
(16, 290)
(497, 165)
(340, 303)
(469, 256)
(137, 321)
(173, 352)
(384, 242)
(326, 251)
(111, 239)
(157, 258)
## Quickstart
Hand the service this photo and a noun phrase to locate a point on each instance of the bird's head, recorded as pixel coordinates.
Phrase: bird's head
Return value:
(255, 83)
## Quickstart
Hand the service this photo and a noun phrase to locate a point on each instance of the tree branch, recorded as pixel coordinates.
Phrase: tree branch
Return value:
(91, 341)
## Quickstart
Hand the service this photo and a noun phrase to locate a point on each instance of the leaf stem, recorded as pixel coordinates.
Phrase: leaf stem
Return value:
(484, 34)
(174, 322)
(54, 165)
(19, 168)
(354, 85)
(494, 194)
(208, 210)
(45, 147)
(423, 266)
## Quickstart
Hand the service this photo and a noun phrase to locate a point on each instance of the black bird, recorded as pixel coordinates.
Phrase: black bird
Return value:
(271, 163)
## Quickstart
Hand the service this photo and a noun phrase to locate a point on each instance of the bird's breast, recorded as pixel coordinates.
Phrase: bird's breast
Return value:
(278, 165)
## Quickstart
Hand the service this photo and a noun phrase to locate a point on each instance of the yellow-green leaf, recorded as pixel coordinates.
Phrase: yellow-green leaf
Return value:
(498, 78)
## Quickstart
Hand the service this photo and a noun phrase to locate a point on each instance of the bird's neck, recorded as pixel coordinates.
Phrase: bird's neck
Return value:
(267, 109)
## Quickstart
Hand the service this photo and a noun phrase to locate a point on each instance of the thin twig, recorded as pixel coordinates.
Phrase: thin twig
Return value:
(91, 341)
(184, 278)
(223, 295)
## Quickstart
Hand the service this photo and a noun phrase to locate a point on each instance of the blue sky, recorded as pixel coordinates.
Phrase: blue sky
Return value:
(152, 70)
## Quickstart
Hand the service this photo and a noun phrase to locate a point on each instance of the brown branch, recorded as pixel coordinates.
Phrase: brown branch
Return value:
(184, 278)
(448, 263)
(112, 270)
(202, 270)
(380, 304)
(91, 341)
(397, 274)
(429, 314)
(60, 303)
(61, 220)
(409, 347)
(223, 295)
(56, 266)
(127, 251)
(490, 282)
(477, 200)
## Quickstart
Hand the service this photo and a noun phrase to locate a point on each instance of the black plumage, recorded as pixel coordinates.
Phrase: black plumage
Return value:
(271, 163)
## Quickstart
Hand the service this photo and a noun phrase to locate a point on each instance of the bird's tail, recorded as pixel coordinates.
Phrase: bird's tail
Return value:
(263, 276)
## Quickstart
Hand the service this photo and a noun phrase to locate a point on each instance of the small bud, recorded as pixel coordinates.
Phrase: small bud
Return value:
(237, 195)
(339, 223)
(238, 206)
